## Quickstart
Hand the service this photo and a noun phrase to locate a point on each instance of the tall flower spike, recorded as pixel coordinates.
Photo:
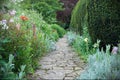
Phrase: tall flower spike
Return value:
(34, 30)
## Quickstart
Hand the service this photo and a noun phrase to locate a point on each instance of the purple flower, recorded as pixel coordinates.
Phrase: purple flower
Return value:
(12, 13)
(115, 50)
(4, 21)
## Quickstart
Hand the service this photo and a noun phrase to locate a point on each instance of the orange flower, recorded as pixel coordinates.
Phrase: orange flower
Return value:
(24, 18)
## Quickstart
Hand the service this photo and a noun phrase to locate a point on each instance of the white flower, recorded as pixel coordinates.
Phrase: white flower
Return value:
(11, 20)
(5, 26)
(23, 13)
(12, 13)
(86, 39)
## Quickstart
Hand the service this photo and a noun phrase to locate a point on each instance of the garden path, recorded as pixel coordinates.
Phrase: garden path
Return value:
(63, 63)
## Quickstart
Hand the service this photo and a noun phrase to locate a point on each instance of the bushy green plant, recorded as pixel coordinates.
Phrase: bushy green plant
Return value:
(81, 44)
(40, 46)
(27, 37)
(6, 70)
(79, 17)
(49, 32)
(17, 45)
(59, 29)
(71, 38)
(102, 65)
(103, 20)
(48, 8)
(100, 17)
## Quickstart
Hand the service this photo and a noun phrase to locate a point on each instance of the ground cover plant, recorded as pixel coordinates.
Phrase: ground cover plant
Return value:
(82, 45)
(102, 65)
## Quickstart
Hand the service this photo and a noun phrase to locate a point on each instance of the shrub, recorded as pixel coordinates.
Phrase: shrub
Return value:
(81, 44)
(102, 65)
(48, 8)
(26, 36)
(14, 42)
(79, 17)
(71, 38)
(103, 20)
(6, 70)
(59, 29)
(40, 46)
(28, 40)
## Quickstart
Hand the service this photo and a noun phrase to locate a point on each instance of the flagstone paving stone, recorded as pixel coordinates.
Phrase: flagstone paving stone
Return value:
(63, 63)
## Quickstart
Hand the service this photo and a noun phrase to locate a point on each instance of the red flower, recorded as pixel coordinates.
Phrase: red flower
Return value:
(24, 18)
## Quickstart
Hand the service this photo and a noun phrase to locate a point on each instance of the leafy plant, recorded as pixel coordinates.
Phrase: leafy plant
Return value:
(7, 70)
(59, 29)
(71, 38)
(102, 65)
(79, 17)
(82, 45)
(103, 20)
(48, 8)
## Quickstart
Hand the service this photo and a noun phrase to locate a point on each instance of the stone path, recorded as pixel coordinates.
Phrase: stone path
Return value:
(61, 64)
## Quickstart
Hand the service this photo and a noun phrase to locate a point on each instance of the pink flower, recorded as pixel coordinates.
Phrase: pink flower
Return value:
(12, 13)
(115, 50)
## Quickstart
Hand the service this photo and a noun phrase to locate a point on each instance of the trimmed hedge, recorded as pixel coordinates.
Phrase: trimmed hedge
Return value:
(104, 21)
(59, 30)
(79, 16)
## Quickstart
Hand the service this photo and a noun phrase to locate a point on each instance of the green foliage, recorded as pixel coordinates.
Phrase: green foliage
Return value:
(100, 17)
(28, 40)
(40, 46)
(104, 21)
(59, 29)
(48, 8)
(81, 44)
(102, 65)
(79, 17)
(15, 43)
(49, 32)
(71, 38)
(7, 70)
